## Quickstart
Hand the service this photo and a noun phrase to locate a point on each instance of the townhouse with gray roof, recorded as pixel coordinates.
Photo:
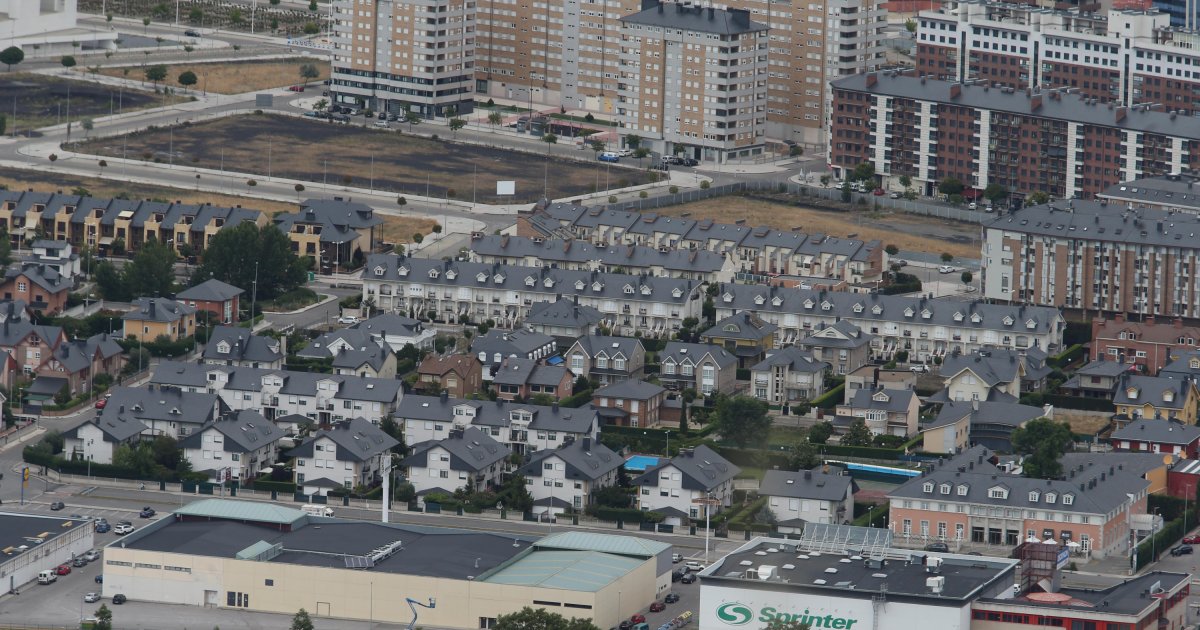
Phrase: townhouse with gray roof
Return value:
(564, 478)
(396, 331)
(964, 500)
(234, 446)
(1158, 436)
(924, 327)
(885, 411)
(347, 454)
(1158, 397)
(1096, 379)
(787, 376)
(705, 368)
(79, 361)
(755, 250)
(842, 345)
(522, 427)
(237, 346)
(98, 439)
(1186, 365)
(39, 285)
(565, 319)
(497, 345)
(454, 291)
(580, 255)
(807, 496)
(331, 231)
(986, 374)
(155, 410)
(745, 335)
(57, 255)
(523, 378)
(354, 352)
(323, 398)
(607, 359)
(154, 317)
(673, 487)
(467, 458)
(633, 403)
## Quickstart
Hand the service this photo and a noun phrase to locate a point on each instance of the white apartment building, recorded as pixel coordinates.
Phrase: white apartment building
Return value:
(672, 487)
(463, 291)
(467, 458)
(236, 446)
(807, 496)
(348, 454)
(564, 478)
(46, 28)
(521, 427)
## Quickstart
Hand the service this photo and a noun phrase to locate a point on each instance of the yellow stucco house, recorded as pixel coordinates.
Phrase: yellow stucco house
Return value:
(152, 318)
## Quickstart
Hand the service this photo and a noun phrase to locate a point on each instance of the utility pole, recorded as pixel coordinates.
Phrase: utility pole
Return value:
(254, 297)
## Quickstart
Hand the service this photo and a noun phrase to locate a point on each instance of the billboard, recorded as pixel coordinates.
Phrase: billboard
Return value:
(724, 608)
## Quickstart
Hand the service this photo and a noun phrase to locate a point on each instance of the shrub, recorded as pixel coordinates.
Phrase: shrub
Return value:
(705, 184)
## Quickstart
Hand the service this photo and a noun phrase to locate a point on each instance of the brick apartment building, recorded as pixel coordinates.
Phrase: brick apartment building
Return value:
(1024, 140)
(1150, 343)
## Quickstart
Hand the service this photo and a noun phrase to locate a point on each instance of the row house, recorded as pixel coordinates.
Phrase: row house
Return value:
(1055, 142)
(523, 378)
(453, 292)
(459, 375)
(842, 345)
(564, 319)
(234, 345)
(1146, 342)
(967, 500)
(80, 360)
(352, 351)
(522, 427)
(758, 250)
(1158, 436)
(332, 232)
(924, 327)
(1155, 397)
(236, 446)
(323, 398)
(1086, 255)
(347, 454)
(160, 411)
(704, 368)
(468, 459)
(29, 344)
(105, 224)
(564, 478)
(581, 255)
(607, 359)
(497, 345)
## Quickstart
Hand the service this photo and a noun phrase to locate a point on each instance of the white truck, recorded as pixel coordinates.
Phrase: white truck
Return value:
(47, 577)
(317, 510)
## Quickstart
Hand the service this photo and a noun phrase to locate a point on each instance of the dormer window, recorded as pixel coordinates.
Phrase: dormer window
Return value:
(676, 292)
(579, 285)
(732, 328)
(379, 271)
(758, 299)
(808, 304)
(529, 281)
(881, 397)
(1030, 324)
(926, 313)
(998, 492)
(1051, 497)
(825, 306)
(1131, 393)
(402, 271)
(877, 310)
(962, 489)
(1068, 499)
(958, 317)
(1008, 321)
(451, 274)
(433, 273)
(776, 301)
(1194, 364)
(223, 347)
(944, 488)
(645, 290)
(927, 487)
(1033, 496)
(628, 290)
(597, 286)
(858, 308)
(1168, 396)
(481, 277)
(498, 278)
(909, 312)
(728, 297)
(976, 318)
(548, 282)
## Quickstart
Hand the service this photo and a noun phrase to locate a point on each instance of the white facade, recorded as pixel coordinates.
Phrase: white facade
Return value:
(241, 465)
(811, 510)
(439, 472)
(551, 482)
(50, 25)
(517, 436)
(19, 569)
(89, 445)
(324, 464)
(670, 493)
(725, 608)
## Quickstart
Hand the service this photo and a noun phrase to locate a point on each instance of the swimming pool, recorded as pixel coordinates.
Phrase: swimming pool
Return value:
(639, 463)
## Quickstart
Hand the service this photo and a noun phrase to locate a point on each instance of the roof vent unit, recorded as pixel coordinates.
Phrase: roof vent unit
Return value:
(936, 584)
(768, 572)
(934, 564)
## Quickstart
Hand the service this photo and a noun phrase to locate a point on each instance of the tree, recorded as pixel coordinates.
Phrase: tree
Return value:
(495, 118)
(846, 197)
(11, 56)
(967, 277)
(633, 140)
(3, 124)
(156, 74)
(187, 78)
(906, 181)
(389, 426)
(88, 125)
(805, 456)
(950, 186)
(743, 420)
(820, 432)
(611, 496)
(68, 61)
(103, 618)
(235, 17)
(312, 5)
(540, 619)
(781, 623)
(995, 192)
(301, 621)
(5, 247)
(411, 118)
(549, 139)
(418, 237)
(320, 105)
(796, 150)
(891, 250)
(456, 124)
(196, 15)
(1043, 441)
(151, 272)
(947, 257)
(233, 254)
(858, 434)
(145, 25)
(1040, 197)
(864, 172)
(515, 495)
(308, 72)
(910, 26)
(63, 396)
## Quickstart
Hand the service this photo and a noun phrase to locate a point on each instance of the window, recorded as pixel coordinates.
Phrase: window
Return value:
(618, 363)
(997, 493)
(962, 490)
(927, 487)
(1033, 496)
(602, 363)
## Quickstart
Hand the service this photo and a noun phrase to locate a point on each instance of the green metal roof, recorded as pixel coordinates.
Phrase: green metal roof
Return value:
(242, 511)
(606, 543)
(570, 570)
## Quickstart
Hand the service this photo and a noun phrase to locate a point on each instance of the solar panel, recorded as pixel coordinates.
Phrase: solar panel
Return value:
(359, 562)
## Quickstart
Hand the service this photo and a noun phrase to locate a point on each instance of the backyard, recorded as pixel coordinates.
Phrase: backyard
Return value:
(231, 77)
(43, 100)
(338, 155)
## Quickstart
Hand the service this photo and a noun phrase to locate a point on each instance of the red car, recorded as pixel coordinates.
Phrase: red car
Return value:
(101, 403)
(297, 88)
(879, 192)
(638, 619)
(658, 607)
(1191, 540)
(63, 569)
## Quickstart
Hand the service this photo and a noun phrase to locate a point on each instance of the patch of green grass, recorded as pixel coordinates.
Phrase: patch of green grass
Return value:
(752, 473)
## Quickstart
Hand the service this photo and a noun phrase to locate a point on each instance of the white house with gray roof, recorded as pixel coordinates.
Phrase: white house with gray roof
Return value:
(581, 255)
(707, 368)
(235, 446)
(451, 291)
(98, 439)
(497, 345)
(672, 487)
(353, 352)
(322, 398)
(565, 319)
(807, 496)
(396, 331)
(347, 454)
(522, 427)
(885, 411)
(237, 346)
(842, 345)
(565, 478)
(925, 327)
(467, 458)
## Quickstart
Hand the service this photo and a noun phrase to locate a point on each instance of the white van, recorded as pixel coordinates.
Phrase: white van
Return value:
(47, 577)
(317, 510)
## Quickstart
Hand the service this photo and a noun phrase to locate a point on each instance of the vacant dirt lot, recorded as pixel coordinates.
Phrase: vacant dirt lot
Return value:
(43, 100)
(232, 78)
(907, 231)
(322, 152)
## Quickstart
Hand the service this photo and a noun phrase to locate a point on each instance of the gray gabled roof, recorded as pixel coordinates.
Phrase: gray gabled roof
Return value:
(1152, 390)
(1182, 366)
(594, 345)
(897, 400)
(519, 371)
(632, 389)
(805, 484)
(992, 366)
(679, 351)
(794, 358)
(740, 326)
(157, 310)
(1102, 368)
(117, 428)
(612, 256)
(41, 274)
(702, 469)
(245, 431)
(390, 324)
(498, 413)
(321, 347)
(585, 458)
(357, 440)
(211, 290)
(1003, 413)
(473, 450)
(242, 345)
(518, 342)
(840, 334)
(162, 404)
(1158, 431)
(348, 387)
(563, 312)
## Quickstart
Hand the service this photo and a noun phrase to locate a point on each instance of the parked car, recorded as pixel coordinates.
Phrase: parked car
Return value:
(895, 195)
(79, 562)
(57, 505)
(1191, 540)
(92, 555)
(938, 546)
(671, 598)
(688, 579)
(677, 575)
(63, 569)
(192, 33)
(625, 152)
(100, 403)
(119, 598)
(347, 319)
(91, 597)
(899, 262)
(973, 206)
(945, 269)
(100, 579)
(919, 368)
(296, 88)
(123, 529)
(103, 528)
(1181, 550)
(147, 512)
(657, 607)
(625, 625)
(694, 565)
(609, 156)
(637, 619)
(879, 192)
(676, 558)
(382, 124)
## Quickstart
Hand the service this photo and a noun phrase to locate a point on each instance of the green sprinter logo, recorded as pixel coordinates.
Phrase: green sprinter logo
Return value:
(735, 613)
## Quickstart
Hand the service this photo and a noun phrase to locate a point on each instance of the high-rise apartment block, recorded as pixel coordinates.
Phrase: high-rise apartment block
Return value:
(1129, 57)
(393, 55)
(567, 53)
(694, 77)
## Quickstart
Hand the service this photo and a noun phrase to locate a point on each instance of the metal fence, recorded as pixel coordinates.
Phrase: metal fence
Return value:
(881, 202)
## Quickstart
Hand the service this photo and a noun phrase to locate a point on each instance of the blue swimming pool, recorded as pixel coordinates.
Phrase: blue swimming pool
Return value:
(639, 463)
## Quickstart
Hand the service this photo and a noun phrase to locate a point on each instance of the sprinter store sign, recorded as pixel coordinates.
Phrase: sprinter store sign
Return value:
(724, 608)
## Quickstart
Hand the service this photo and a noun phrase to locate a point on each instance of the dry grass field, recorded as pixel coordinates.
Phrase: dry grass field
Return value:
(42, 100)
(232, 77)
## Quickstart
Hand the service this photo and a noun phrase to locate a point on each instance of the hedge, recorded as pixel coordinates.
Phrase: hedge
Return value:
(577, 400)
(627, 515)
(74, 467)
(1066, 356)
(1078, 402)
(1161, 542)
(266, 485)
(829, 399)
(868, 452)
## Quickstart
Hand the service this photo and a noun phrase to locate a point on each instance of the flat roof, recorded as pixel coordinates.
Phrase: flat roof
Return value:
(570, 570)
(1130, 597)
(902, 572)
(424, 551)
(29, 530)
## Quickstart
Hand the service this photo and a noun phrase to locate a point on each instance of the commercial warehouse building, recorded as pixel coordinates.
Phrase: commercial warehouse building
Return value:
(30, 544)
(269, 558)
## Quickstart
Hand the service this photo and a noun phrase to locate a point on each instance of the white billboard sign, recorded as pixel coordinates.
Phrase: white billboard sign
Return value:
(506, 188)
(749, 608)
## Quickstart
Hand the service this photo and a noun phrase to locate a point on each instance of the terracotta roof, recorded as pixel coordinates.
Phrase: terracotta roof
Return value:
(460, 364)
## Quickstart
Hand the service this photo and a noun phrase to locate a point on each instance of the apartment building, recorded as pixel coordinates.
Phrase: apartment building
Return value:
(758, 250)
(924, 327)
(323, 398)
(1129, 57)
(694, 80)
(236, 446)
(451, 291)
(393, 56)
(1175, 192)
(1086, 255)
(100, 223)
(579, 255)
(674, 487)
(1149, 344)
(347, 454)
(521, 427)
(565, 478)
(1058, 142)
(965, 500)
(468, 459)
